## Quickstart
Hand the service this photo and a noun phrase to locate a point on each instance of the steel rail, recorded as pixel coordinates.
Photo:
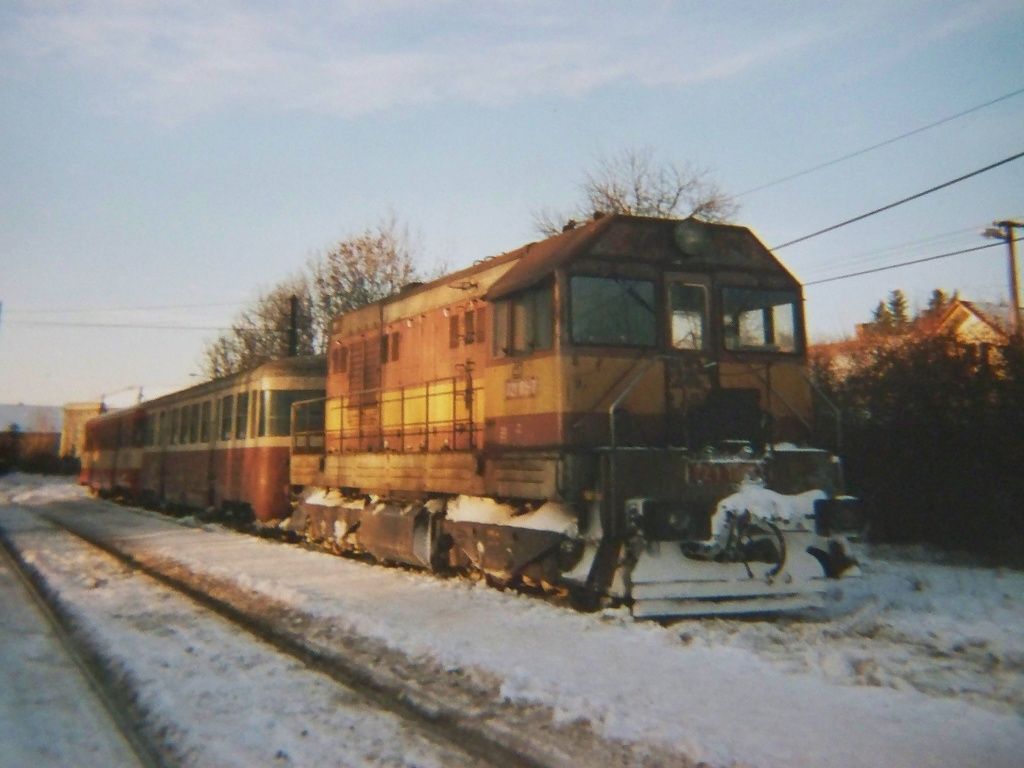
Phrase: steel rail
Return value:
(432, 718)
(108, 693)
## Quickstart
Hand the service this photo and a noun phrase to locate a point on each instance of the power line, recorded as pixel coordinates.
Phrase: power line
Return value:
(890, 206)
(880, 144)
(154, 308)
(906, 263)
(145, 326)
(879, 254)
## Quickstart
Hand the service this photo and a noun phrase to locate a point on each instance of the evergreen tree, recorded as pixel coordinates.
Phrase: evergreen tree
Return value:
(937, 302)
(881, 318)
(898, 310)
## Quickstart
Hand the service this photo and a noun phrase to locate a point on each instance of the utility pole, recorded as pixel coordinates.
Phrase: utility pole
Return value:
(293, 330)
(1003, 230)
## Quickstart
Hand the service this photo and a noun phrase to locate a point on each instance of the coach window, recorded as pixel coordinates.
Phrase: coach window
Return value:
(241, 415)
(193, 427)
(525, 322)
(183, 426)
(226, 412)
(612, 311)
(688, 304)
(204, 422)
(263, 397)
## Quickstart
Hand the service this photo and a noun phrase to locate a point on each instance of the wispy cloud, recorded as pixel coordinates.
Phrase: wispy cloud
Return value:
(175, 61)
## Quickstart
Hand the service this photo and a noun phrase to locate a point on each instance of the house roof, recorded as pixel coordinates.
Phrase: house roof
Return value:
(998, 317)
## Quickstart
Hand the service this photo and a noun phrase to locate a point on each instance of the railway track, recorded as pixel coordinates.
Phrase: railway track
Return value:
(112, 701)
(428, 726)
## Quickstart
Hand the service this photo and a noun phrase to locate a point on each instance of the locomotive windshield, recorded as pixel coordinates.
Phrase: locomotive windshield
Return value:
(757, 319)
(613, 311)
(689, 315)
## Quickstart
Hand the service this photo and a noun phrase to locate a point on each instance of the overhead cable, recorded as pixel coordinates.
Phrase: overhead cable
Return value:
(153, 308)
(880, 144)
(906, 263)
(890, 206)
(151, 326)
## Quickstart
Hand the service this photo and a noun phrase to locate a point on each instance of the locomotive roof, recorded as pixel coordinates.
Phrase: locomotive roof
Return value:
(684, 243)
(689, 243)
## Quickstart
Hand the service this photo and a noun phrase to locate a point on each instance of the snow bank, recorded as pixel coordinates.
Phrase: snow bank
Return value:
(37, 490)
(550, 516)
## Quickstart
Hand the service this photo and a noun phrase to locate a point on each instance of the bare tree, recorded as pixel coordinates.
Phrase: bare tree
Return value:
(634, 181)
(356, 271)
(260, 332)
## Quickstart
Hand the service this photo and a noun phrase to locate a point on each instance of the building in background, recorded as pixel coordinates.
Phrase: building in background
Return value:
(72, 435)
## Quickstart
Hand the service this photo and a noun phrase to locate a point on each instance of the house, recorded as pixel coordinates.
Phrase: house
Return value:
(977, 322)
(982, 327)
(72, 436)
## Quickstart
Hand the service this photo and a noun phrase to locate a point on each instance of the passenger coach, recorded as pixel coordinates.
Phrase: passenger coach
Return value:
(220, 445)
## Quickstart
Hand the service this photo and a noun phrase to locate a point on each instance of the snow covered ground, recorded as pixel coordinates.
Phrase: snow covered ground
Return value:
(919, 663)
(49, 715)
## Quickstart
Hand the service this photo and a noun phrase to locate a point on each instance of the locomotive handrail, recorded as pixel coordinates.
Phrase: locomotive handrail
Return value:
(766, 380)
(641, 370)
(363, 416)
(835, 408)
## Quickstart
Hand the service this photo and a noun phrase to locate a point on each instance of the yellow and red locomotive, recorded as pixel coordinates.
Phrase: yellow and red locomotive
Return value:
(620, 410)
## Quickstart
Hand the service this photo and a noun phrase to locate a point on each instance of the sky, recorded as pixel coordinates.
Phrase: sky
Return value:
(162, 163)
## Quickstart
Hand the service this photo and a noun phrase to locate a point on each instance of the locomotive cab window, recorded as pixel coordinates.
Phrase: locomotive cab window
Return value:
(613, 311)
(757, 319)
(524, 323)
(688, 305)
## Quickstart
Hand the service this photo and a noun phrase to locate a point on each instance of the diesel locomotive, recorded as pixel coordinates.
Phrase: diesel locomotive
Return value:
(621, 411)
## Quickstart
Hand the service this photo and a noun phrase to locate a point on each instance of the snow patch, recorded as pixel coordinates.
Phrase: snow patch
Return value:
(550, 516)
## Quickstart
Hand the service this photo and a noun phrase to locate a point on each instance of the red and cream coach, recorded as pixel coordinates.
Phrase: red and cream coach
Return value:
(223, 444)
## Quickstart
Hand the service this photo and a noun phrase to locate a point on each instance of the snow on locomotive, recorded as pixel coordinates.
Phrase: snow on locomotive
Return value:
(614, 411)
